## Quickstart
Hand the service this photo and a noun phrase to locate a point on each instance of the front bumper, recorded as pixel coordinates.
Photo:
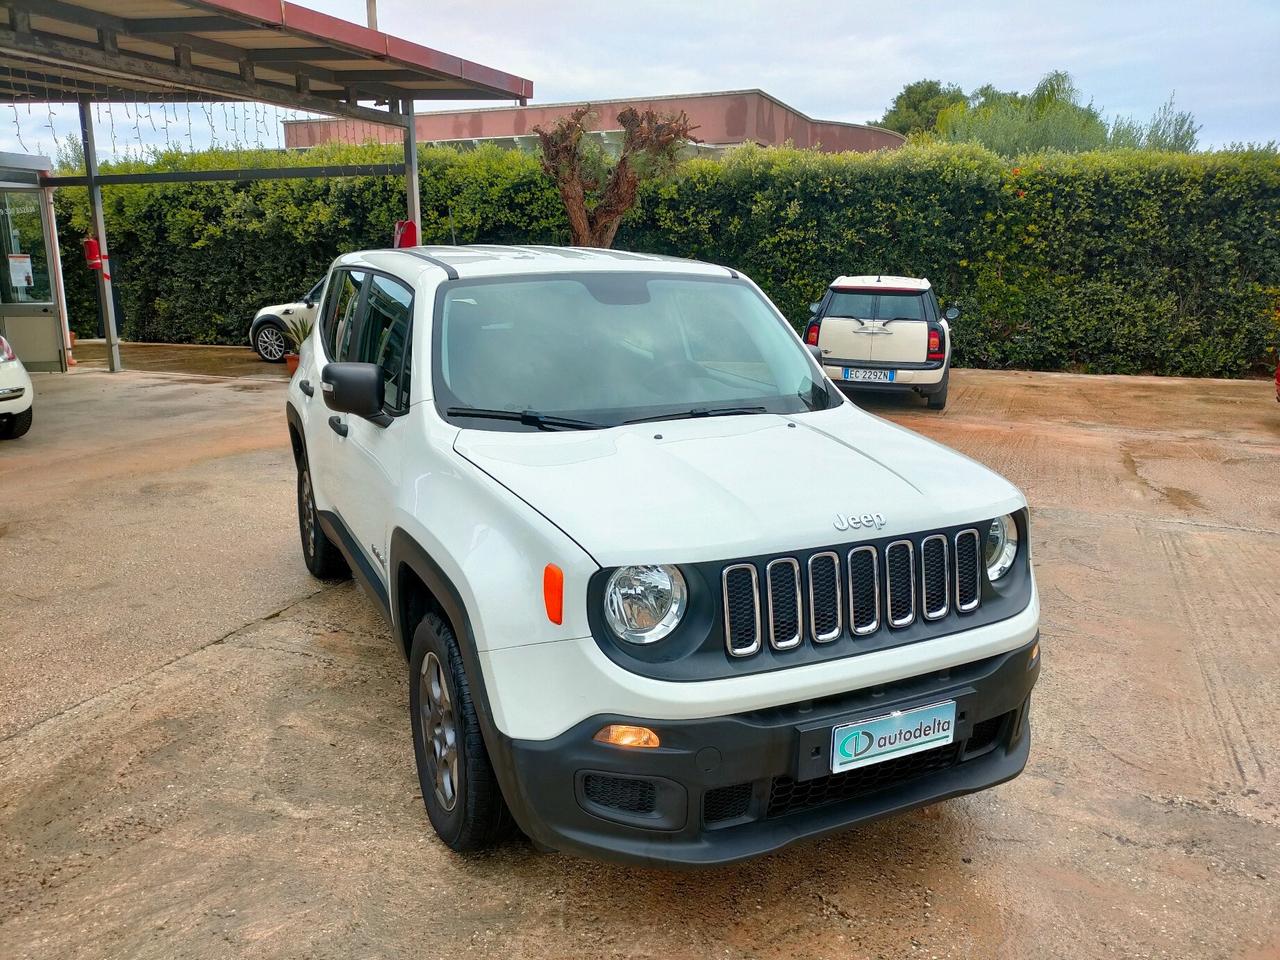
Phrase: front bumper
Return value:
(726, 788)
(15, 389)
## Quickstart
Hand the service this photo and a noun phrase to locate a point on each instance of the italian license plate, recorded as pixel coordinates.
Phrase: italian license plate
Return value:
(862, 373)
(898, 734)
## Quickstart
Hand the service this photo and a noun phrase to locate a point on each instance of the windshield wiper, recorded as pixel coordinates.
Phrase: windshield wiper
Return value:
(531, 418)
(699, 412)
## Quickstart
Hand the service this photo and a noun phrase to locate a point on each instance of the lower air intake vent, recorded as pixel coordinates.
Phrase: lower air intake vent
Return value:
(620, 793)
(790, 796)
(725, 803)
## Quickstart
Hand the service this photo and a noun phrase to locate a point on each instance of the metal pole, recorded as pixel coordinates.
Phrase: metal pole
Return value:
(371, 11)
(411, 168)
(100, 229)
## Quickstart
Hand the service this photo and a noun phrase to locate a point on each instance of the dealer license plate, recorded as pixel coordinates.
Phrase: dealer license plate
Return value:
(896, 735)
(862, 373)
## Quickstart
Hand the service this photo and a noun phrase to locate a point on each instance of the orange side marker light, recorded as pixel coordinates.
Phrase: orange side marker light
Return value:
(553, 592)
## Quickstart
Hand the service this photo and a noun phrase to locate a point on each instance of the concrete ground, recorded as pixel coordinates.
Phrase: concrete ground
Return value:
(205, 753)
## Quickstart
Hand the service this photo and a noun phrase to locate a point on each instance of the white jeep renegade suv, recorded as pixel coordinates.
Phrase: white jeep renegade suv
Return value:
(665, 594)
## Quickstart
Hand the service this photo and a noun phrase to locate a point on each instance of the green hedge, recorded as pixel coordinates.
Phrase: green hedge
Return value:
(1121, 262)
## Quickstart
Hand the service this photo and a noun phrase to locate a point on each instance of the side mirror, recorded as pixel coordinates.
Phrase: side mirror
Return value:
(814, 308)
(354, 388)
(952, 313)
(816, 351)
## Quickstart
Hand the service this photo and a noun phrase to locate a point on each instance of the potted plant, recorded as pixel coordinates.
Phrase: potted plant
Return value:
(296, 330)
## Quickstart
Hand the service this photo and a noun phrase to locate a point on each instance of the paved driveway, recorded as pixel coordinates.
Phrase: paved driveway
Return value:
(204, 753)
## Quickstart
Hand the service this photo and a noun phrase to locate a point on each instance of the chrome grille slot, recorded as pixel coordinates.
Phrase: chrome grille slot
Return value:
(935, 592)
(864, 590)
(782, 579)
(968, 573)
(900, 581)
(741, 587)
(824, 597)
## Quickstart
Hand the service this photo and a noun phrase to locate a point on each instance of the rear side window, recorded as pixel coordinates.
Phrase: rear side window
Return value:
(340, 313)
(383, 337)
(869, 305)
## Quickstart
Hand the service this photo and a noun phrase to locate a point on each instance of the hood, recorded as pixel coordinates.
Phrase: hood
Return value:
(684, 491)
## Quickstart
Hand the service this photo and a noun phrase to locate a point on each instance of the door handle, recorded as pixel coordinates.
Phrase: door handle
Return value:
(306, 387)
(338, 426)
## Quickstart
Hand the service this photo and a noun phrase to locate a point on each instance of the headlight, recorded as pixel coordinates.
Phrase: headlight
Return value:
(1001, 546)
(644, 604)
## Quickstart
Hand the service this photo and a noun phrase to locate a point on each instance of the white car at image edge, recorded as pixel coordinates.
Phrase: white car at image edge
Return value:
(269, 331)
(666, 595)
(15, 394)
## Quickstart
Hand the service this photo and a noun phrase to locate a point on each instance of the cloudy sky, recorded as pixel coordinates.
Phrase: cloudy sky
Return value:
(836, 61)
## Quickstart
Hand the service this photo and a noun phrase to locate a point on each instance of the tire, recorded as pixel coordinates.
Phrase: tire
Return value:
(321, 554)
(938, 399)
(17, 425)
(459, 789)
(269, 342)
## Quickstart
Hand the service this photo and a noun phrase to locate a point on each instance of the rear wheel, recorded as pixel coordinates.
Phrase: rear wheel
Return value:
(321, 554)
(16, 425)
(459, 788)
(938, 399)
(269, 342)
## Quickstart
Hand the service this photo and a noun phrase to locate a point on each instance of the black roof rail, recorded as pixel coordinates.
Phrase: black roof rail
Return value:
(448, 269)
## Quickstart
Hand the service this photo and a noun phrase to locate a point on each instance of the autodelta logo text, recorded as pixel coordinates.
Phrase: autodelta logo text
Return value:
(857, 743)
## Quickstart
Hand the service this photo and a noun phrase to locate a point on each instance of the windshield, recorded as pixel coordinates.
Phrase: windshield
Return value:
(873, 305)
(609, 348)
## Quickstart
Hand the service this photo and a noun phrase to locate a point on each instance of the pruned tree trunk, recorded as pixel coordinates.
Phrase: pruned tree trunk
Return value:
(651, 145)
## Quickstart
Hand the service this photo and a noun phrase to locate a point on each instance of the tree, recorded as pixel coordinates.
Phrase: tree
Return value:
(1168, 129)
(596, 191)
(917, 106)
(1054, 116)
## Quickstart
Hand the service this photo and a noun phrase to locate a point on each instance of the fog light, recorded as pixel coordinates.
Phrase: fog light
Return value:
(1035, 655)
(625, 735)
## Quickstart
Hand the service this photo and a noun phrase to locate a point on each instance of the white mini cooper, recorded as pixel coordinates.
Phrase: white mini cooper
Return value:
(884, 333)
(593, 493)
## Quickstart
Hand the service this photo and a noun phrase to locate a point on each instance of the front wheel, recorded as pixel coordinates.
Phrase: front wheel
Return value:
(269, 343)
(459, 788)
(321, 554)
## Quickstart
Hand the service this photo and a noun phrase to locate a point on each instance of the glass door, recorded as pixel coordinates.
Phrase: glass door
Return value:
(29, 317)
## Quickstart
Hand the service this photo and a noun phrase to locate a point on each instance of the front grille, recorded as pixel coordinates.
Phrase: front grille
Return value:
(741, 610)
(864, 590)
(783, 577)
(790, 796)
(900, 578)
(934, 590)
(826, 595)
(725, 803)
(621, 793)
(968, 576)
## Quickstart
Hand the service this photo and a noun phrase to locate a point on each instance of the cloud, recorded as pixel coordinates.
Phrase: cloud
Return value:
(838, 61)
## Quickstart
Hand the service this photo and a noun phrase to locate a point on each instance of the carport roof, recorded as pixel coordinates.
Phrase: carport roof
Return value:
(260, 50)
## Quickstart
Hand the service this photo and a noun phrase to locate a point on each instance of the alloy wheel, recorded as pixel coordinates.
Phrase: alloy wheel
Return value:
(308, 514)
(439, 730)
(271, 343)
